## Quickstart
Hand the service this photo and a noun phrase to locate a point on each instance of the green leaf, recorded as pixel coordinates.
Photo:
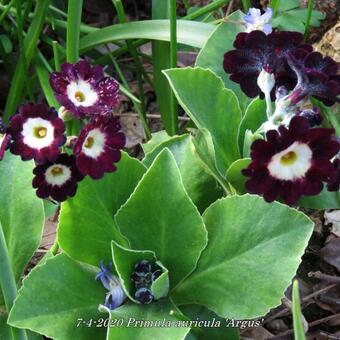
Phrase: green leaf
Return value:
(200, 185)
(55, 295)
(218, 330)
(157, 138)
(301, 14)
(235, 177)
(204, 147)
(220, 42)
(253, 118)
(161, 61)
(30, 44)
(160, 216)
(160, 287)
(6, 43)
(248, 238)
(211, 106)
(86, 223)
(288, 22)
(288, 5)
(188, 32)
(325, 200)
(299, 333)
(21, 211)
(124, 260)
(162, 311)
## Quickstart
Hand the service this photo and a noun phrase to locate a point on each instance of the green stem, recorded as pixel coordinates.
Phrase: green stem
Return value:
(6, 10)
(206, 9)
(309, 17)
(56, 55)
(8, 285)
(22, 48)
(246, 5)
(139, 70)
(275, 7)
(55, 248)
(74, 12)
(73, 30)
(173, 63)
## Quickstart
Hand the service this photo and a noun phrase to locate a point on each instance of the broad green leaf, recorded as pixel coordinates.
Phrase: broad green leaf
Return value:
(211, 106)
(301, 14)
(220, 42)
(325, 200)
(188, 32)
(86, 223)
(235, 177)
(163, 313)
(55, 295)
(21, 211)
(124, 260)
(288, 22)
(157, 138)
(299, 333)
(199, 184)
(159, 216)
(253, 252)
(218, 330)
(254, 117)
(288, 5)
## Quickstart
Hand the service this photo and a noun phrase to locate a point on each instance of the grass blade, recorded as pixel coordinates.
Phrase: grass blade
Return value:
(30, 43)
(73, 30)
(309, 17)
(161, 61)
(299, 333)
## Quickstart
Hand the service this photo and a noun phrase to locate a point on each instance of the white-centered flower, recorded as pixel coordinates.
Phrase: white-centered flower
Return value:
(291, 163)
(38, 133)
(94, 143)
(58, 174)
(81, 93)
(57, 180)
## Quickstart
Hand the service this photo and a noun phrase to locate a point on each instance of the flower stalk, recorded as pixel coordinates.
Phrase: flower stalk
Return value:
(8, 285)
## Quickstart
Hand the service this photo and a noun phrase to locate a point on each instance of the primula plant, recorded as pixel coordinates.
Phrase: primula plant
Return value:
(205, 226)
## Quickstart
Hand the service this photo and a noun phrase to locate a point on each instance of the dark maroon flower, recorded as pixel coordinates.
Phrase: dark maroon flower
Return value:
(57, 180)
(334, 184)
(37, 133)
(83, 90)
(256, 52)
(317, 77)
(292, 162)
(98, 146)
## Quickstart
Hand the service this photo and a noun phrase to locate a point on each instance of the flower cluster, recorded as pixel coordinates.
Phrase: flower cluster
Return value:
(142, 277)
(115, 296)
(296, 156)
(36, 132)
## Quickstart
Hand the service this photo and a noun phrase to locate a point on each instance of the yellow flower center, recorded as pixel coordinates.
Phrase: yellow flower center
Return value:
(40, 132)
(57, 171)
(80, 97)
(289, 158)
(89, 142)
